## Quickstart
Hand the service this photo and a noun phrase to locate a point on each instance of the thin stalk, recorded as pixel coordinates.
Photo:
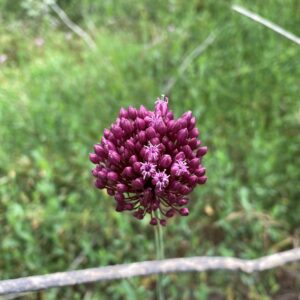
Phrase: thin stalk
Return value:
(159, 247)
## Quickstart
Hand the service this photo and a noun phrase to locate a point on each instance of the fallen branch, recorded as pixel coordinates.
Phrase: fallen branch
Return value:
(188, 60)
(267, 23)
(196, 264)
(75, 28)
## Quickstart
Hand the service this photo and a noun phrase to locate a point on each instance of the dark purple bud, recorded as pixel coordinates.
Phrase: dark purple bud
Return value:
(128, 206)
(123, 113)
(193, 143)
(140, 124)
(137, 183)
(188, 151)
(194, 163)
(132, 112)
(114, 157)
(130, 145)
(142, 112)
(184, 211)
(126, 125)
(137, 167)
(182, 136)
(150, 132)
(110, 191)
(180, 156)
(182, 123)
(187, 116)
(142, 137)
(163, 222)
(185, 190)
(194, 133)
(128, 172)
(182, 201)
(112, 176)
(192, 180)
(121, 188)
(94, 158)
(117, 131)
(171, 125)
(106, 133)
(200, 172)
(202, 180)
(99, 150)
(120, 207)
(102, 175)
(165, 161)
(161, 127)
(99, 184)
(170, 213)
(133, 159)
(119, 197)
(202, 151)
(153, 221)
(192, 123)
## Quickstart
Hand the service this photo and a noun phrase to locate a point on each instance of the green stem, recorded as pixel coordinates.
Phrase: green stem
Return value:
(159, 247)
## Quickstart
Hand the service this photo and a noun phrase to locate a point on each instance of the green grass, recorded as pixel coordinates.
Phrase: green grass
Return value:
(56, 100)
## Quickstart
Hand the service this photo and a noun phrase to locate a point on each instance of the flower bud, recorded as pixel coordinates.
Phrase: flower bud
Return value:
(94, 158)
(119, 197)
(121, 188)
(153, 221)
(170, 213)
(112, 176)
(182, 201)
(182, 136)
(123, 113)
(200, 171)
(137, 167)
(194, 133)
(117, 131)
(140, 124)
(194, 163)
(132, 112)
(165, 161)
(114, 157)
(202, 151)
(150, 132)
(142, 112)
(184, 211)
(138, 183)
(99, 184)
(202, 180)
(128, 172)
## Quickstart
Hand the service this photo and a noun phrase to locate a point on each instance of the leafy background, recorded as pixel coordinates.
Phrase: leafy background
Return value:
(56, 99)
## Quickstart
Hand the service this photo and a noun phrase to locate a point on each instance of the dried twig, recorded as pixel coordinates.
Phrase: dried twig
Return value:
(197, 264)
(267, 23)
(75, 28)
(188, 60)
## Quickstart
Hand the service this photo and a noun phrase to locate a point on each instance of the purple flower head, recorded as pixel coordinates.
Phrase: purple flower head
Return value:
(149, 162)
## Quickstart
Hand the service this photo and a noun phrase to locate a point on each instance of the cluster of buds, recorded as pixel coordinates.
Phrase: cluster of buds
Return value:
(149, 162)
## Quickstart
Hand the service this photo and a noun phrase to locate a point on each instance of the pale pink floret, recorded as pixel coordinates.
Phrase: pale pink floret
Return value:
(180, 167)
(147, 169)
(152, 152)
(161, 180)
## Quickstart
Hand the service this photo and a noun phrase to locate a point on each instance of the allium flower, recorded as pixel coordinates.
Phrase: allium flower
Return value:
(150, 161)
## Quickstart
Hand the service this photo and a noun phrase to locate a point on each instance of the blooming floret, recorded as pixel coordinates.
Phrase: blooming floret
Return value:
(147, 169)
(149, 161)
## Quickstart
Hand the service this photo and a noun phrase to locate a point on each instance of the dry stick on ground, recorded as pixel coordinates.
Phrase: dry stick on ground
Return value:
(75, 28)
(196, 264)
(266, 23)
(188, 60)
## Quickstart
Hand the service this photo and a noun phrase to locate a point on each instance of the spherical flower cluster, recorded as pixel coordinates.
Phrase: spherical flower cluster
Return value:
(150, 161)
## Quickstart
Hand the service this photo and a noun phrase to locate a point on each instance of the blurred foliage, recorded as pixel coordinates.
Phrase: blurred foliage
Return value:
(57, 96)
